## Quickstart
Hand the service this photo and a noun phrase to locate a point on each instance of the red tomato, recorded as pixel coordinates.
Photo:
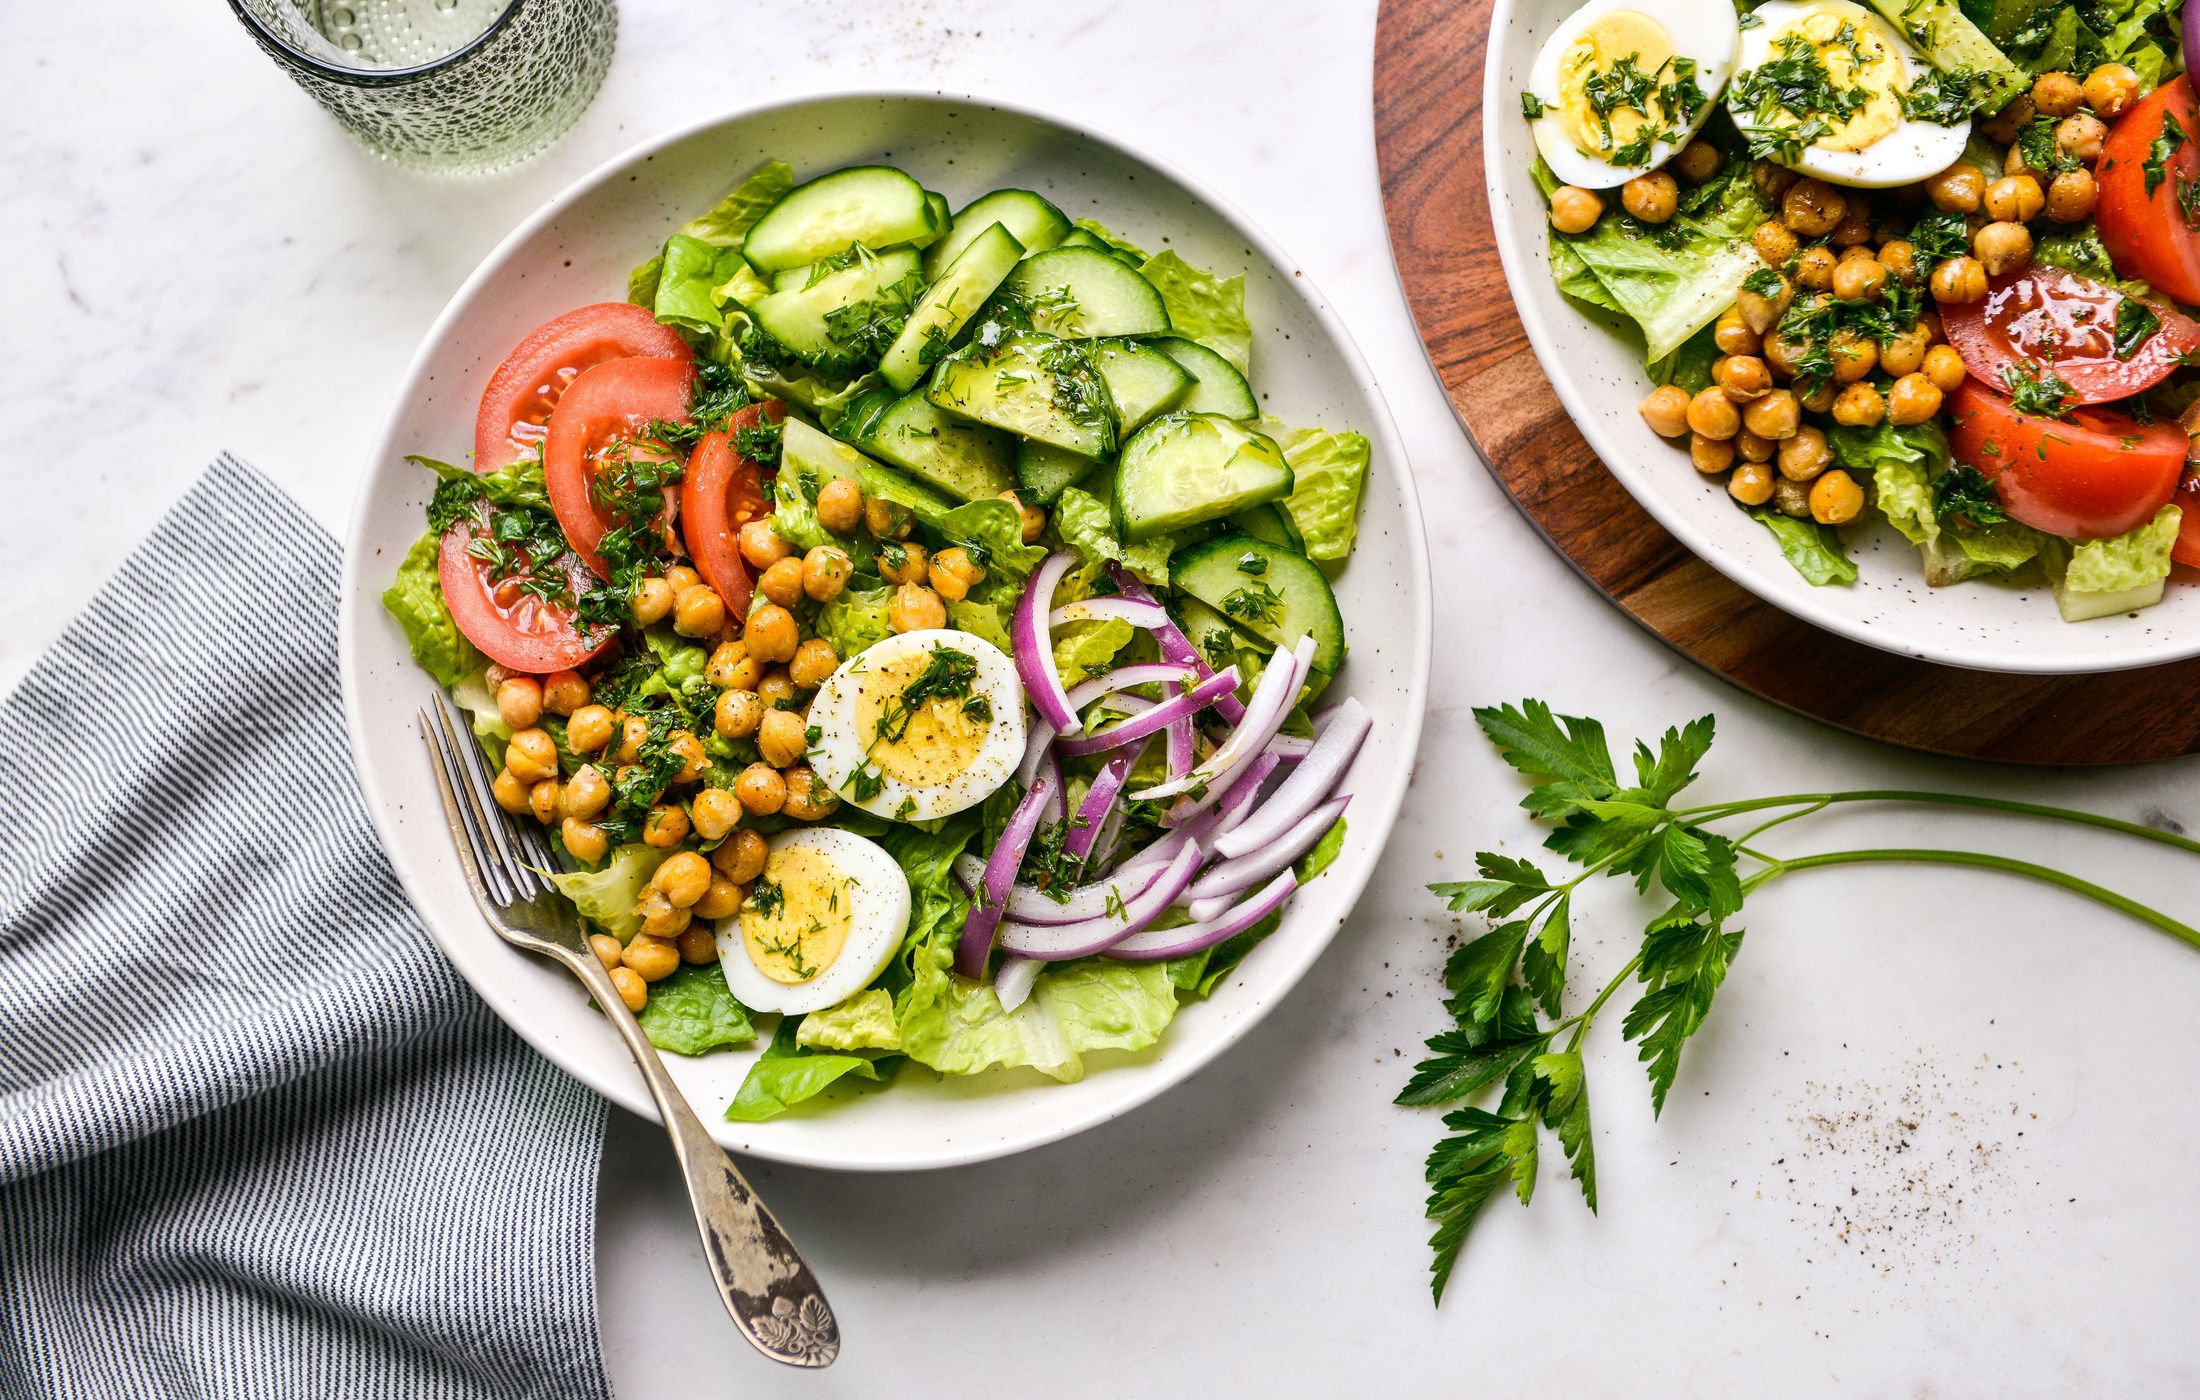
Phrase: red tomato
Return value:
(2187, 548)
(2063, 320)
(722, 492)
(2094, 474)
(528, 384)
(2145, 233)
(605, 406)
(512, 626)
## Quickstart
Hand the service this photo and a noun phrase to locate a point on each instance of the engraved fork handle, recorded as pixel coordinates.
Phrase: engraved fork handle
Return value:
(767, 1288)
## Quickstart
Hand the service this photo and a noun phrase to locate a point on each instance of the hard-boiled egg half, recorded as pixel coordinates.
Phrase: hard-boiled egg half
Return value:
(1623, 84)
(1829, 77)
(823, 919)
(920, 725)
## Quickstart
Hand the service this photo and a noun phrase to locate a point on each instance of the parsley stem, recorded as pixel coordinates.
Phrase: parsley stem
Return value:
(1981, 861)
(1589, 1013)
(1816, 801)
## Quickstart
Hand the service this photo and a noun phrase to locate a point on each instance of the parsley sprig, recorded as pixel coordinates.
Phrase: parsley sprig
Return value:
(1501, 981)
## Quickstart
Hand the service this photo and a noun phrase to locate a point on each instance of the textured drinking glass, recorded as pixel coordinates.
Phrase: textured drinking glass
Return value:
(446, 85)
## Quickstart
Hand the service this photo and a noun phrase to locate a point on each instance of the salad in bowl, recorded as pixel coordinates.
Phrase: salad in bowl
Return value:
(906, 624)
(1916, 262)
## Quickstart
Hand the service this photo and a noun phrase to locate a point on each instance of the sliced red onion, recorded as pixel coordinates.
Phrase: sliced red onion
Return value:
(1056, 806)
(1152, 721)
(1038, 746)
(1247, 871)
(1225, 792)
(1107, 786)
(1123, 678)
(1013, 983)
(1035, 648)
(999, 878)
(1183, 741)
(1291, 745)
(1316, 776)
(1060, 942)
(1206, 933)
(1264, 715)
(1140, 614)
(1027, 905)
(1175, 646)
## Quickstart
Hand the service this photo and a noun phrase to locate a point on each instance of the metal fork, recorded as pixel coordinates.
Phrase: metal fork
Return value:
(767, 1288)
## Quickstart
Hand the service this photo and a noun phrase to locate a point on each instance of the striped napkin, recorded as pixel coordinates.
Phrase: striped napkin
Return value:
(256, 1136)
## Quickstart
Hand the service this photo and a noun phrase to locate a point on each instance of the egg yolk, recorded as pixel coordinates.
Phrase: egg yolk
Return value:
(930, 741)
(1859, 61)
(798, 915)
(1617, 45)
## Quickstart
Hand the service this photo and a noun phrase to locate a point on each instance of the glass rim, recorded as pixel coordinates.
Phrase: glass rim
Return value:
(371, 77)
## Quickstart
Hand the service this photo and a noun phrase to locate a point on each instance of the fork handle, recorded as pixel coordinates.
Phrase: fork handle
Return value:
(767, 1288)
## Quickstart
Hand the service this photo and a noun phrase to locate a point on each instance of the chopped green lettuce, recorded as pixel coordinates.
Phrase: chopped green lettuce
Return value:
(957, 1026)
(1203, 307)
(1576, 280)
(855, 620)
(2080, 250)
(726, 225)
(864, 1021)
(1323, 855)
(473, 694)
(2101, 578)
(1083, 650)
(688, 278)
(1814, 550)
(1087, 525)
(415, 599)
(980, 620)
(1905, 463)
(608, 894)
(1690, 366)
(788, 1073)
(1329, 472)
(693, 1011)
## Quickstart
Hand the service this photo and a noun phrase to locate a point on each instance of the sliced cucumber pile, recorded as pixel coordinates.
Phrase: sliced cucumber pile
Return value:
(828, 319)
(1217, 386)
(1034, 385)
(967, 460)
(1084, 293)
(874, 205)
(1186, 468)
(1270, 593)
(1030, 220)
(949, 303)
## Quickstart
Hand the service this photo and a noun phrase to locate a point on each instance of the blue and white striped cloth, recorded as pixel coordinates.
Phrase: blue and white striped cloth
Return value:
(256, 1137)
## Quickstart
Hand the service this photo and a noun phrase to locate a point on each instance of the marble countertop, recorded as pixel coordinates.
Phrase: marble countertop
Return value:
(1936, 1140)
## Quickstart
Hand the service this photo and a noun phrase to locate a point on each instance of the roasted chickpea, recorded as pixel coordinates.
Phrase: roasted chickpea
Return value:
(741, 858)
(564, 692)
(696, 945)
(519, 701)
(683, 877)
(1665, 409)
(1751, 484)
(761, 790)
(1713, 414)
(782, 739)
(825, 572)
(1961, 280)
(650, 600)
(1855, 228)
(1697, 162)
(770, 634)
(2003, 126)
(722, 898)
(652, 959)
(587, 793)
(2081, 136)
(1859, 406)
(2002, 247)
(1899, 257)
(1835, 498)
(2071, 196)
(1959, 189)
(665, 826)
(1754, 448)
(1774, 244)
(498, 674)
(1820, 399)
(1775, 416)
(2056, 94)
(1803, 456)
(1760, 310)
(585, 841)
(1710, 455)
(606, 948)
(1913, 399)
(900, 562)
(915, 608)
(1791, 497)
(1859, 279)
(887, 520)
(1772, 181)
(713, 813)
(1854, 355)
(1032, 519)
(761, 545)
(1744, 377)
(814, 663)
(1902, 354)
(777, 690)
(1812, 208)
(1814, 269)
(1575, 210)
(1856, 252)
(2110, 89)
(1732, 334)
(693, 757)
(738, 713)
(1652, 198)
(808, 799)
(1944, 368)
(2018, 198)
(511, 793)
(698, 611)
(682, 576)
(840, 505)
(955, 573)
(782, 582)
(633, 729)
(632, 990)
(532, 755)
(730, 667)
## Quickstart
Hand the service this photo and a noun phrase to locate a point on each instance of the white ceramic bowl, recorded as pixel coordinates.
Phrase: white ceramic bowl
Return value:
(1600, 379)
(578, 249)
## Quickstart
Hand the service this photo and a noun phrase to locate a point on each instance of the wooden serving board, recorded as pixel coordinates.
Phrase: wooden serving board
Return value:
(1428, 144)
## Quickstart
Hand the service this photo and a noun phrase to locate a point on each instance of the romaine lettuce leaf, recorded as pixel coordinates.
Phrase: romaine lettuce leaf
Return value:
(726, 225)
(957, 1026)
(1083, 650)
(980, 620)
(415, 599)
(1690, 366)
(2101, 578)
(787, 1073)
(1813, 549)
(855, 620)
(1904, 463)
(607, 895)
(1329, 472)
(1203, 307)
(864, 1021)
(2080, 250)
(689, 275)
(693, 1010)
(1087, 525)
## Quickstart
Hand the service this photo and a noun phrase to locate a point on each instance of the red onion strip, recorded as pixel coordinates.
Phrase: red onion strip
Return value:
(1246, 871)
(1035, 648)
(1316, 776)
(1195, 937)
(1270, 706)
(1123, 678)
(1143, 615)
(976, 945)
(1060, 942)
(1175, 646)
(1013, 983)
(1107, 786)
(1156, 719)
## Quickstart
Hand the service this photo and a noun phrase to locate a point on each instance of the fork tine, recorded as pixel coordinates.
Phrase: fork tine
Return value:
(462, 832)
(484, 822)
(517, 841)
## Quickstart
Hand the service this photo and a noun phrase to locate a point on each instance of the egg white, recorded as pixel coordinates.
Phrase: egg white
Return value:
(840, 751)
(877, 893)
(1703, 30)
(1913, 151)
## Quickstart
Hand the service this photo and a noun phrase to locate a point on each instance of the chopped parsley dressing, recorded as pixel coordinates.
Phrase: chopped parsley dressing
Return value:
(1658, 105)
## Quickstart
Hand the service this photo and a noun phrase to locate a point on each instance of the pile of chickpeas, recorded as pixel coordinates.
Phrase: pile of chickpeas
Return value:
(765, 672)
(1851, 244)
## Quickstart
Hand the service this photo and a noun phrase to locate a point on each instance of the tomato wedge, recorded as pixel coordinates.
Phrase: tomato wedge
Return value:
(512, 625)
(516, 405)
(2187, 549)
(604, 407)
(2145, 231)
(2055, 318)
(2092, 475)
(722, 492)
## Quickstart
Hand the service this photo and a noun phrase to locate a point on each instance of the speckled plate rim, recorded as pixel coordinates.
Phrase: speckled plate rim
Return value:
(1315, 917)
(1978, 627)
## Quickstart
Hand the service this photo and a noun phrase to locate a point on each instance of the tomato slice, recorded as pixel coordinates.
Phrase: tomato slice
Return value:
(722, 492)
(2145, 232)
(2092, 475)
(516, 406)
(2053, 317)
(511, 624)
(2187, 549)
(604, 407)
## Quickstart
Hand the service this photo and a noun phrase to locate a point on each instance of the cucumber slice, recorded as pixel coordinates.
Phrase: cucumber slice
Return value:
(1220, 388)
(1082, 293)
(1084, 238)
(1275, 594)
(1043, 473)
(1142, 382)
(792, 279)
(950, 303)
(802, 318)
(1213, 633)
(860, 412)
(1271, 523)
(1128, 258)
(1033, 385)
(1185, 468)
(874, 205)
(968, 461)
(935, 204)
(1029, 219)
